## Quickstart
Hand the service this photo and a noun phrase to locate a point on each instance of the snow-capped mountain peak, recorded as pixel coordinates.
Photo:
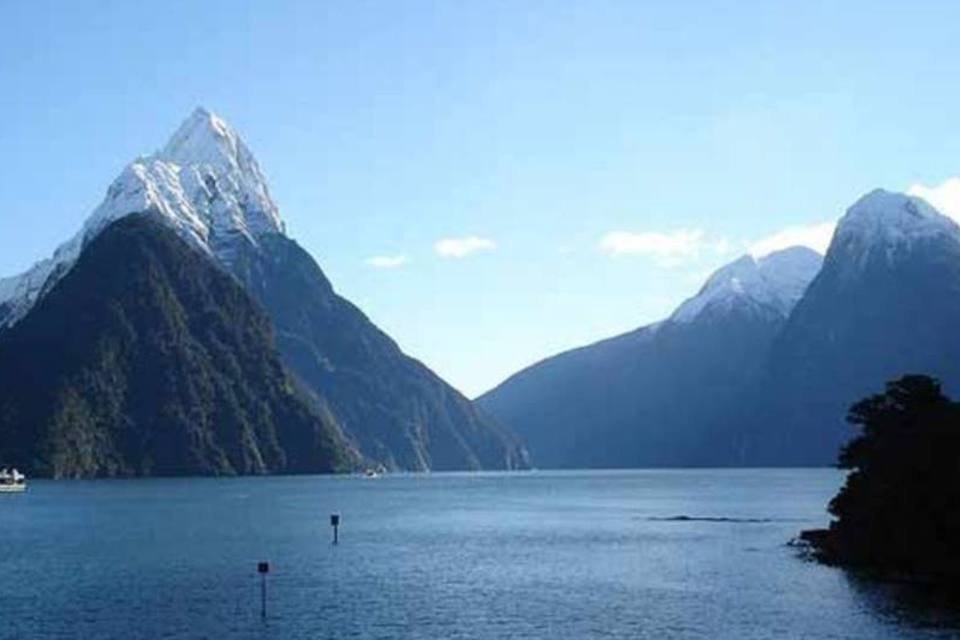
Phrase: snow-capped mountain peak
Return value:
(208, 144)
(204, 183)
(774, 283)
(204, 137)
(884, 225)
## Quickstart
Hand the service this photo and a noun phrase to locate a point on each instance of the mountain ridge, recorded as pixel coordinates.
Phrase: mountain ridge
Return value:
(882, 303)
(203, 182)
(775, 281)
(885, 304)
(164, 367)
(402, 414)
(206, 185)
(626, 401)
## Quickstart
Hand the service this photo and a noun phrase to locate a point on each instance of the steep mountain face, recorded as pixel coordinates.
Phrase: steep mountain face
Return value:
(206, 185)
(146, 359)
(761, 366)
(399, 412)
(664, 395)
(885, 304)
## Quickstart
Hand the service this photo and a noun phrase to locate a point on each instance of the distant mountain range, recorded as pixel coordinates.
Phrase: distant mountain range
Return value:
(182, 331)
(759, 367)
(138, 393)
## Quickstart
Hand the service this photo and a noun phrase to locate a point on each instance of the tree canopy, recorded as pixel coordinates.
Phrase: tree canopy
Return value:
(899, 510)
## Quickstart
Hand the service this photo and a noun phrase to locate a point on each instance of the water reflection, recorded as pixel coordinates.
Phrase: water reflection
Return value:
(918, 605)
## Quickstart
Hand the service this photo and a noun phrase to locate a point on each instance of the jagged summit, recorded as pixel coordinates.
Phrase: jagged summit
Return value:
(207, 140)
(205, 183)
(204, 137)
(774, 282)
(888, 220)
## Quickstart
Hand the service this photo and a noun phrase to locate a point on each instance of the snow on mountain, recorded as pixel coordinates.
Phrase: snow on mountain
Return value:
(205, 183)
(893, 217)
(774, 283)
(890, 222)
(878, 221)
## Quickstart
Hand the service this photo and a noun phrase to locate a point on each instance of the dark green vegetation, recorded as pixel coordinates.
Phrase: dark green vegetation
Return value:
(146, 359)
(899, 512)
(399, 413)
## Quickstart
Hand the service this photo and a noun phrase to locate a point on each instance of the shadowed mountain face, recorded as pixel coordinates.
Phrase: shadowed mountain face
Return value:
(661, 396)
(146, 359)
(885, 304)
(758, 368)
(398, 411)
(664, 395)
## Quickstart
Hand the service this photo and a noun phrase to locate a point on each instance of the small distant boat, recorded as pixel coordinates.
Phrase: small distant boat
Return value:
(374, 472)
(12, 481)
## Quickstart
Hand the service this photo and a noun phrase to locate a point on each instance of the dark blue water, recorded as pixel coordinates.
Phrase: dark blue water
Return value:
(538, 555)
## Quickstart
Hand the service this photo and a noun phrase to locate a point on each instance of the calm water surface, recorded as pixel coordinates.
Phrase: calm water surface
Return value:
(534, 555)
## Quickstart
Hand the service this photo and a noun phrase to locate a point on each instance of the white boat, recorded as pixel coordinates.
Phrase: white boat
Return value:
(12, 481)
(374, 472)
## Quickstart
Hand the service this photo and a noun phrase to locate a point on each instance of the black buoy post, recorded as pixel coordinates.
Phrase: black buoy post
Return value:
(335, 523)
(263, 568)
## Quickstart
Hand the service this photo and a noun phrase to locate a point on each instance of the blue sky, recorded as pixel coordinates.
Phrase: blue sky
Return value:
(600, 158)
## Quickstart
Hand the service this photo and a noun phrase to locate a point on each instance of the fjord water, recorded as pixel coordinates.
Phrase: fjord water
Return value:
(526, 555)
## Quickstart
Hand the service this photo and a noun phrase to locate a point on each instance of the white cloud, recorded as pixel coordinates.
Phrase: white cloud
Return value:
(817, 236)
(463, 246)
(668, 249)
(945, 196)
(387, 262)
